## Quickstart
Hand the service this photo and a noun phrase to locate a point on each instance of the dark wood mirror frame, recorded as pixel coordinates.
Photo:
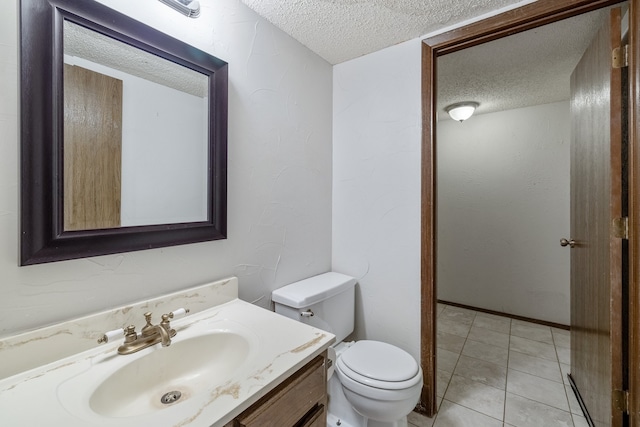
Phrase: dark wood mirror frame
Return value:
(42, 234)
(533, 15)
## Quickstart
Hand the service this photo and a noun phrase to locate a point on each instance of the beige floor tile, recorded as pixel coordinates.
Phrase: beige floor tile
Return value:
(522, 412)
(450, 342)
(487, 336)
(482, 371)
(489, 353)
(474, 351)
(535, 366)
(579, 421)
(416, 420)
(461, 315)
(474, 395)
(447, 360)
(538, 389)
(442, 382)
(561, 338)
(453, 327)
(493, 322)
(566, 370)
(453, 415)
(533, 348)
(532, 331)
(573, 401)
(564, 355)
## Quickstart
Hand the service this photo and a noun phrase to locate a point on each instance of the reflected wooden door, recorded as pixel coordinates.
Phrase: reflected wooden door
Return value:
(92, 149)
(596, 200)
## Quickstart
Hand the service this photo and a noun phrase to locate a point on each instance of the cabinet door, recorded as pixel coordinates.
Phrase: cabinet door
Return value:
(289, 404)
(316, 418)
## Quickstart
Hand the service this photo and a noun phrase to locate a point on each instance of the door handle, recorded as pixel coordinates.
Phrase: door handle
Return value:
(564, 242)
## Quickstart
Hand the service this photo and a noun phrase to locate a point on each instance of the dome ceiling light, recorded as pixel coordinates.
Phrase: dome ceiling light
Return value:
(461, 111)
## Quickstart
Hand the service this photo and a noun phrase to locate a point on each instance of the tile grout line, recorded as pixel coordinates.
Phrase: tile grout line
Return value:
(555, 347)
(454, 367)
(506, 377)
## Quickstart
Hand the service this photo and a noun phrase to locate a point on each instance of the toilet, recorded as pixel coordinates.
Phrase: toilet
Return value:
(371, 383)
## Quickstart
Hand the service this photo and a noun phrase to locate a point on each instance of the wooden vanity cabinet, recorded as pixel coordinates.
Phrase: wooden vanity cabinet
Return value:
(299, 401)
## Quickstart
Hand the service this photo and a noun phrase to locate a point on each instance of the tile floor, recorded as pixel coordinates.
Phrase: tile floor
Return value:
(494, 371)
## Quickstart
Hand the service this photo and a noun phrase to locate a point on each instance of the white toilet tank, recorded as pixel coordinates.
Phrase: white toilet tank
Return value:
(326, 301)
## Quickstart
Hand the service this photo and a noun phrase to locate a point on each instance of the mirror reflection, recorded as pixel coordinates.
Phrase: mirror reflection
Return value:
(135, 136)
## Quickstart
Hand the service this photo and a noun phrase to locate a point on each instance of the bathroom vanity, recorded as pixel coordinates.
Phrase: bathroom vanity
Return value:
(300, 400)
(230, 364)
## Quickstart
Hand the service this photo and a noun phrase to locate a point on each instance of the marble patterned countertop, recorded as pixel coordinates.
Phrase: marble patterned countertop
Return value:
(58, 392)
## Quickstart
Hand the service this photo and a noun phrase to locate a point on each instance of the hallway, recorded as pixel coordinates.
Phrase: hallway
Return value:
(494, 371)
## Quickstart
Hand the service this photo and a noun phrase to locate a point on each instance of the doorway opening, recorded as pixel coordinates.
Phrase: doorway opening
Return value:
(527, 17)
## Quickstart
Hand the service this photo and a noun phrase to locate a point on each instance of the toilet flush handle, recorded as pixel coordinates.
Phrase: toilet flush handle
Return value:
(307, 313)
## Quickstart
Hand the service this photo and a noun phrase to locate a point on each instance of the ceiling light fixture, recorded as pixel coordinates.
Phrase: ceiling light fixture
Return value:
(462, 110)
(190, 8)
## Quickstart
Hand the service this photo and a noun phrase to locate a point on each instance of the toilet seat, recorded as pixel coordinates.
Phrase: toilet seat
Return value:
(379, 365)
(380, 394)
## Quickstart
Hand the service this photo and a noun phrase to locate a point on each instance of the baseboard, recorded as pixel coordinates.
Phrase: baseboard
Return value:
(580, 401)
(512, 316)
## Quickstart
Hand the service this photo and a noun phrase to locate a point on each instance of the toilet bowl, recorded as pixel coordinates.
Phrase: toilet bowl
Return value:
(380, 381)
(375, 384)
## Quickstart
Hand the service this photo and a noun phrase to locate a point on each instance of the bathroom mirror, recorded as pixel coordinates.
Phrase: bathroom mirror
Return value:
(124, 135)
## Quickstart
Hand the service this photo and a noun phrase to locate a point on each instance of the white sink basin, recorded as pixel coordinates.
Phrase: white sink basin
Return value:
(198, 359)
(188, 367)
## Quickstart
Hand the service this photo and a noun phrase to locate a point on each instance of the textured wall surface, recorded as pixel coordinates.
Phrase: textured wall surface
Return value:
(376, 190)
(279, 215)
(503, 205)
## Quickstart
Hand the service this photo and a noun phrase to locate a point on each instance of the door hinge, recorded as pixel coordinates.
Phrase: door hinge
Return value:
(620, 56)
(621, 400)
(620, 228)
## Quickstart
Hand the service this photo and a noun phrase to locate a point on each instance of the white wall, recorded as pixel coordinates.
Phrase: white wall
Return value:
(503, 205)
(376, 196)
(279, 215)
(376, 190)
(164, 154)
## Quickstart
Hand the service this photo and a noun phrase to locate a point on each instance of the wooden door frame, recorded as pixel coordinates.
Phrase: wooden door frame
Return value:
(533, 15)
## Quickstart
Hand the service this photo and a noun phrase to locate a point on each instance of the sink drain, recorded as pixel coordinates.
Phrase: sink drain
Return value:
(172, 396)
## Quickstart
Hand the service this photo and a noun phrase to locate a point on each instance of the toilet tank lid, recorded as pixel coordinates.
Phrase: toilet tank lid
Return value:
(310, 291)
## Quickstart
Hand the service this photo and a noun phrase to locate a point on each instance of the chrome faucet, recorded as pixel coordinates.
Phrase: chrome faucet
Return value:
(149, 335)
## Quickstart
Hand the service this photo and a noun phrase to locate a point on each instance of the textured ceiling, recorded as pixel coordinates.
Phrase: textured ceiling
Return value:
(530, 68)
(92, 46)
(339, 30)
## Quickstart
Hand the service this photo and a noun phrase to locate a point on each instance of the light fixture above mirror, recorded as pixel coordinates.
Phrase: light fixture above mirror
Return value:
(190, 8)
(461, 111)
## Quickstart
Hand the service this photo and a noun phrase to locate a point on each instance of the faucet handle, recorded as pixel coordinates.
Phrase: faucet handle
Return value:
(108, 336)
(147, 317)
(130, 334)
(165, 323)
(179, 312)
(147, 329)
